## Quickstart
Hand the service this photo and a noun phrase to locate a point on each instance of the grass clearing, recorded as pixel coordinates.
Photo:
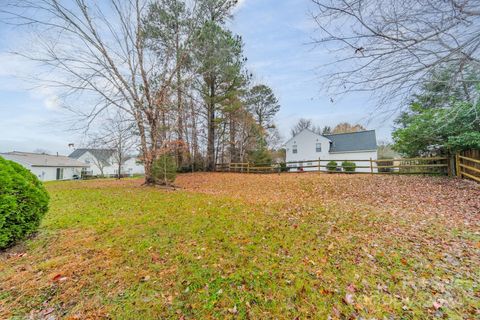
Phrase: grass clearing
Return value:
(244, 246)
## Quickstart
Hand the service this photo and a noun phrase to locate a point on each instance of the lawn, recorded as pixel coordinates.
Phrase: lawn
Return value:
(251, 247)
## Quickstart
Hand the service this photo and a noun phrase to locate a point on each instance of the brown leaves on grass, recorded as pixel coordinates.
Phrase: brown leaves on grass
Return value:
(455, 201)
(345, 242)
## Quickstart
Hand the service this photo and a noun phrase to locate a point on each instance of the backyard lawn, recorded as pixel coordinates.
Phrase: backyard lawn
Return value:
(251, 247)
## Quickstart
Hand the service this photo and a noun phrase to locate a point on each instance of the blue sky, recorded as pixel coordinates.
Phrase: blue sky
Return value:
(276, 36)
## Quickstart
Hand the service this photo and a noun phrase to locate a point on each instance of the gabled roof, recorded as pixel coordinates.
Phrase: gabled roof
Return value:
(305, 129)
(43, 160)
(353, 141)
(348, 142)
(102, 155)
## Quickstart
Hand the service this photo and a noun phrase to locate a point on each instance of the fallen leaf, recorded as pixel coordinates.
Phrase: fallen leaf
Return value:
(351, 288)
(233, 310)
(57, 278)
(348, 299)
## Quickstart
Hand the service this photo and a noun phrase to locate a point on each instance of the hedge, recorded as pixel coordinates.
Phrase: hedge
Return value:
(332, 166)
(23, 202)
(349, 166)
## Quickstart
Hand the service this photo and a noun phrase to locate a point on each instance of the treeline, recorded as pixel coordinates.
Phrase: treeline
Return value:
(213, 113)
(170, 67)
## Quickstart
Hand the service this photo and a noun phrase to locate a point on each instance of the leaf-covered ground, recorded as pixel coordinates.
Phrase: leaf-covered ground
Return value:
(251, 247)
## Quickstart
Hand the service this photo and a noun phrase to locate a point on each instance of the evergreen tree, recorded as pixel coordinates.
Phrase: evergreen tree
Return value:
(263, 104)
(219, 61)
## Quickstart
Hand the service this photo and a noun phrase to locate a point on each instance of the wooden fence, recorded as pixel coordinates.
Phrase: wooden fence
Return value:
(432, 165)
(468, 164)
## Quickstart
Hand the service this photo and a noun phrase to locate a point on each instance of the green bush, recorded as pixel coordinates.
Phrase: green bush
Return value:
(283, 167)
(332, 166)
(23, 202)
(260, 157)
(164, 170)
(349, 166)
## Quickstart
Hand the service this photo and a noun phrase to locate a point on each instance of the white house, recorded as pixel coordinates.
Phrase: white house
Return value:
(102, 162)
(308, 145)
(48, 167)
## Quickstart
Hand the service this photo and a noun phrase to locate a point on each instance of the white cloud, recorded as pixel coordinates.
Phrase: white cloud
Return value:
(52, 102)
(16, 75)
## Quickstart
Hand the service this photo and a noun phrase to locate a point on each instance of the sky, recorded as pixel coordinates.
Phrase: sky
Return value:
(277, 37)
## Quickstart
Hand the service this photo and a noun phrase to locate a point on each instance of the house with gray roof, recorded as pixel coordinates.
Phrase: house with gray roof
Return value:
(48, 167)
(307, 146)
(103, 162)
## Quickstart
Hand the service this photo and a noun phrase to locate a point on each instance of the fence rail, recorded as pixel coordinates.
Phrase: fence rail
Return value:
(468, 167)
(427, 165)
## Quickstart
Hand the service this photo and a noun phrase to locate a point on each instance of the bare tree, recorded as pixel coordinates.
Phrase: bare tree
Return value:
(117, 135)
(346, 127)
(98, 53)
(304, 124)
(100, 155)
(390, 47)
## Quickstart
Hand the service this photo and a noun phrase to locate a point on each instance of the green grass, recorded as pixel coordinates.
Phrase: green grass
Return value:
(129, 252)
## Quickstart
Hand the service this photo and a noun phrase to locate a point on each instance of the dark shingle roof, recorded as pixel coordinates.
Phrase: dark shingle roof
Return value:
(102, 155)
(354, 141)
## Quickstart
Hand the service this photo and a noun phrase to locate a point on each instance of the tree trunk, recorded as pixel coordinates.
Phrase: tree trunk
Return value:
(179, 102)
(211, 129)
(232, 141)
(194, 145)
(119, 173)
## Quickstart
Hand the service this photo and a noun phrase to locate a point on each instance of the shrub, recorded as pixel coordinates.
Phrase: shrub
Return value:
(332, 166)
(164, 170)
(23, 202)
(283, 167)
(260, 157)
(349, 166)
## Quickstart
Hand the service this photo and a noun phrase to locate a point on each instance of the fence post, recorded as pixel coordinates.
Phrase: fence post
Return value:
(371, 166)
(248, 167)
(457, 165)
(319, 167)
(449, 165)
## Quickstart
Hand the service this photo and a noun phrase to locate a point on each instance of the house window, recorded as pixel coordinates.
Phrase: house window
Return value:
(294, 149)
(59, 173)
(318, 147)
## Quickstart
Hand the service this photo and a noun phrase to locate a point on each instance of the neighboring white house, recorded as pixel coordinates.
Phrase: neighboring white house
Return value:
(308, 145)
(102, 162)
(48, 167)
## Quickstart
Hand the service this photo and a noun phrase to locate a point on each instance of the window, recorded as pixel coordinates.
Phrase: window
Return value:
(59, 173)
(294, 149)
(318, 147)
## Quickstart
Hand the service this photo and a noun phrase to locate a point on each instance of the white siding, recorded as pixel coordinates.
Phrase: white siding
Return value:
(50, 173)
(306, 147)
(306, 150)
(88, 158)
(366, 155)
(132, 167)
